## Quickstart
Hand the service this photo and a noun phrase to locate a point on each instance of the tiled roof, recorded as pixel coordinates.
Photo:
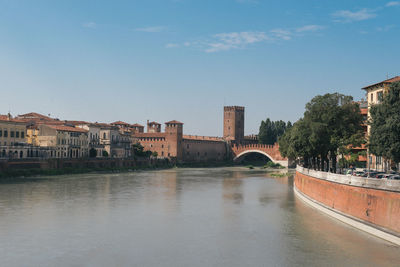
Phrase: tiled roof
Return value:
(34, 115)
(5, 118)
(173, 122)
(391, 80)
(67, 128)
(137, 125)
(120, 123)
(76, 122)
(153, 122)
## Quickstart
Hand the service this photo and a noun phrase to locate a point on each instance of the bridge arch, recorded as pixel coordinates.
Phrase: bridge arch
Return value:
(243, 153)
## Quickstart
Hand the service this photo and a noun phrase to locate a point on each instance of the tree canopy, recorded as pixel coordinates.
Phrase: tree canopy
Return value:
(270, 131)
(331, 122)
(384, 139)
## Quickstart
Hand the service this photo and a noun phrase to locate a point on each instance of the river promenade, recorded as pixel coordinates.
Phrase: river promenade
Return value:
(369, 204)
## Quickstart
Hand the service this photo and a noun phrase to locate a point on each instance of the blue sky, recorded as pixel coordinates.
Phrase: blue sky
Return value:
(184, 59)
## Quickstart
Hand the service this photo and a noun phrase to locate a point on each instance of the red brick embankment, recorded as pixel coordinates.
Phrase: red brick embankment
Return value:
(370, 201)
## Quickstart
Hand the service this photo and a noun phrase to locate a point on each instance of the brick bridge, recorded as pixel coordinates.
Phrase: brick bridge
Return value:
(270, 151)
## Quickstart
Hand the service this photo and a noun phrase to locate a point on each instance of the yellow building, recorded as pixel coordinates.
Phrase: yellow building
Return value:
(69, 142)
(12, 137)
(374, 94)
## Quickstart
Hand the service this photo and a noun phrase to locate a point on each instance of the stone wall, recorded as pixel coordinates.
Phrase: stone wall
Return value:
(204, 150)
(373, 201)
(47, 164)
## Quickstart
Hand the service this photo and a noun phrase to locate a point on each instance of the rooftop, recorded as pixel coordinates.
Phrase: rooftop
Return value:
(120, 123)
(10, 119)
(64, 128)
(391, 80)
(173, 122)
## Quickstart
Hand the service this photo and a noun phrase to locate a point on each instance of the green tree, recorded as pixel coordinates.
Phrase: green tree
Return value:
(105, 154)
(330, 122)
(92, 153)
(384, 139)
(270, 131)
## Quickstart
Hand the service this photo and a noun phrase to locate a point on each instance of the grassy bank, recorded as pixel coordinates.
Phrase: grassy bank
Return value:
(10, 175)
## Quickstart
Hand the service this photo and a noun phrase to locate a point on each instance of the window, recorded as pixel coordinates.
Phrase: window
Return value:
(22, 134)
(17, 134)
(379, 160)
(11, 133)
(380, 96)
(372, 97)
(5, 133)
(1, 133)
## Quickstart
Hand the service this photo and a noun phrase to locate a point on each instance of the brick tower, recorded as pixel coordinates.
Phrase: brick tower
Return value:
(173, 137)
(234, 123)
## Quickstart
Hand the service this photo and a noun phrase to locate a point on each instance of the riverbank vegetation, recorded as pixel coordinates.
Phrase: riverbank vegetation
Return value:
(270, 131)
(13, 174)
(384, 139)
(332, 123)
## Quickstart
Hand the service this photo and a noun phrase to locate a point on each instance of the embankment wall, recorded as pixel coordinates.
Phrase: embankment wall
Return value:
(375, 202)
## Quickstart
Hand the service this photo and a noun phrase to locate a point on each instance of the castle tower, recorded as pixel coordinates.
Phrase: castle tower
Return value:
(234, 123)
(153, 127)
(173, 137)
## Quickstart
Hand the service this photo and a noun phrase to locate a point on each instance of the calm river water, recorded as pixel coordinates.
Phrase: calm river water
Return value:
(177, 217)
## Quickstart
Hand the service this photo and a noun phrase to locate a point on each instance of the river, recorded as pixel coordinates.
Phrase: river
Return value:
(175, 217)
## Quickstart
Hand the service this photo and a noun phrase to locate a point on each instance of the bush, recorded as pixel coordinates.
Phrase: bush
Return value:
(271, 164)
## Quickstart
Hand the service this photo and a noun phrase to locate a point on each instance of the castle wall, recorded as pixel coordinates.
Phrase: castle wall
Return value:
(203, 150)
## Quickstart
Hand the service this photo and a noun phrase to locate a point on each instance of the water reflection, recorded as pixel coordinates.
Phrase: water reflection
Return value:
(177, 217)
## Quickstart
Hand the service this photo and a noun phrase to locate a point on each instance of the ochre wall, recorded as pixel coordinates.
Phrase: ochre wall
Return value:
(378, 207)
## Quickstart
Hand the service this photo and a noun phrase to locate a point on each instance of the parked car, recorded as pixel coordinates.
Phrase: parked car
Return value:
(358, 173)
(370, 174)
(394, 177)
(380, 175)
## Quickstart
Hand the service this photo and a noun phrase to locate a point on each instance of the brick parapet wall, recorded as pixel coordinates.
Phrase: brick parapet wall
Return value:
(358, 197)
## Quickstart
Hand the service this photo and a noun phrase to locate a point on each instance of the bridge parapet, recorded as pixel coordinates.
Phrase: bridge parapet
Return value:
(271, 151)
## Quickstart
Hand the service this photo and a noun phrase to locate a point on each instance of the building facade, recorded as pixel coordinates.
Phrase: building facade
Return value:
(374, 94)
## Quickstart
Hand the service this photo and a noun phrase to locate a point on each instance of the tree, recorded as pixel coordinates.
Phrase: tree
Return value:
(384, 139)
(270, 131)
(155, 154)
(330, 122)
(137, 150)
(92, 153)
(105, 154)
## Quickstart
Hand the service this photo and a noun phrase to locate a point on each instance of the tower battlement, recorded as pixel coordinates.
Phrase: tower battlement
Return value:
(233, 123)
(233, 108)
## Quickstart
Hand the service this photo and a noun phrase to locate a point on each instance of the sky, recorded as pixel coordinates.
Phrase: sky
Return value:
(185, 59)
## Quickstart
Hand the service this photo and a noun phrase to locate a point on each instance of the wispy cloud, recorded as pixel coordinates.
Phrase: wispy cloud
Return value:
(241, 40)
(385, 28)
(89, 24)
(310, 28)
(151, 29)
(393, 3)
(350, 16)
(171, 45)
(232, 40)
